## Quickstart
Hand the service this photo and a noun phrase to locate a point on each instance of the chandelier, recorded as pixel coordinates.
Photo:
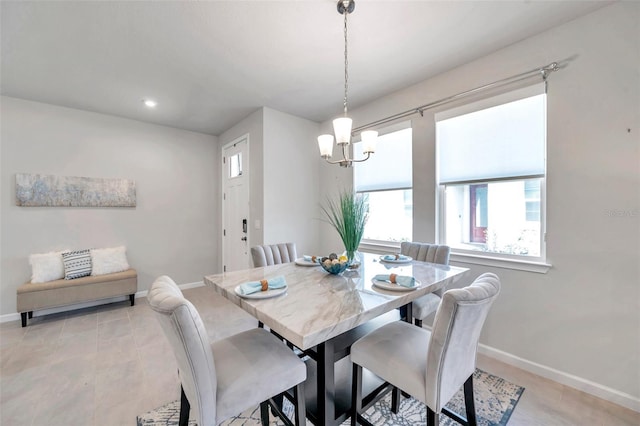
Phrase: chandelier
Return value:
(342, 125)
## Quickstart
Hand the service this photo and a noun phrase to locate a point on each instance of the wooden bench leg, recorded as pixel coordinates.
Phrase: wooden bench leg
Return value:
(23, 316)
(132, 299)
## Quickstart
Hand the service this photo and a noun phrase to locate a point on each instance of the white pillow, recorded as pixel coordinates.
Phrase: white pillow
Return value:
(46, 266)
(109, 260)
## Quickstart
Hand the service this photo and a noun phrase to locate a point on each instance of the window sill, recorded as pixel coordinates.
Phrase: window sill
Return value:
(379, 247)
(501, 262)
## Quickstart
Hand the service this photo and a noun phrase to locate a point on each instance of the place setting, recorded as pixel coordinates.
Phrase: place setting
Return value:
(395, 282)
(263, 289)
(395, 258)
(308, 260)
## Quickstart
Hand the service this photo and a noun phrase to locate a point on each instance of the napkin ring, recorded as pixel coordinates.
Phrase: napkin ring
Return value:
(264, 284)
(397, 257)
(313, 259)
(392, 278)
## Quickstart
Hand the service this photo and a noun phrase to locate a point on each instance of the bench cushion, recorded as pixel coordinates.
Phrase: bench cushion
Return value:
(34, 296)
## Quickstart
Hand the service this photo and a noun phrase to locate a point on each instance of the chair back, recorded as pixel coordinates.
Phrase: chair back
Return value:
(188, 338)
(424, 252)
(273, 254)
(451, 357)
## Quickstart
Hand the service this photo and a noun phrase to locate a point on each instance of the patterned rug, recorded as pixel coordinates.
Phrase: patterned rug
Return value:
(495, 400)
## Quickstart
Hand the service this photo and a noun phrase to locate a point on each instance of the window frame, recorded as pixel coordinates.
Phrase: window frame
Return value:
(536, 264)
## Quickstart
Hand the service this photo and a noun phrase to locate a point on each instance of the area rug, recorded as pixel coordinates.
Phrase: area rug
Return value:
(495, 400)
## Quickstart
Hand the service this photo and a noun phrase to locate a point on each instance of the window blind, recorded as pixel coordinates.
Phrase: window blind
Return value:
(389, 167)
(499, 137)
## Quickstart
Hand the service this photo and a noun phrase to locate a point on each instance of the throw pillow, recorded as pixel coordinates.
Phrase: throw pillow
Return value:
(76, 264)
(109, 260)
(46, 266)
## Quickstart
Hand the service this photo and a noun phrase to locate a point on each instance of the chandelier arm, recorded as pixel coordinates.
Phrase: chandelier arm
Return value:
(335, 162)
(361, 160)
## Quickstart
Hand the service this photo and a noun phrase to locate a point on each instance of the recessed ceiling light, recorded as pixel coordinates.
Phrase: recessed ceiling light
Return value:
(149, 103)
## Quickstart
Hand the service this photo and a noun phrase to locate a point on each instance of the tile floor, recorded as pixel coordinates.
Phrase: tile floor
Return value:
(104, 365)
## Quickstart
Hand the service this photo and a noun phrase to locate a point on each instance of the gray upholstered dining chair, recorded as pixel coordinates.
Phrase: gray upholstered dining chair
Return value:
(432, 365)
(273, 254)
(433, 253)
(224, 378)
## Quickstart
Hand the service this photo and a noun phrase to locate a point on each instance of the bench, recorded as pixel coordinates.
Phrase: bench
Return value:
(53, 294)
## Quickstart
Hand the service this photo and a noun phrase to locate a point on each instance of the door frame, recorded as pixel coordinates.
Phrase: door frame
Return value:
(223, 178)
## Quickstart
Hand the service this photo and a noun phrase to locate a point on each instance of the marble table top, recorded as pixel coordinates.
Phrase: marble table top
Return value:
(318, 306)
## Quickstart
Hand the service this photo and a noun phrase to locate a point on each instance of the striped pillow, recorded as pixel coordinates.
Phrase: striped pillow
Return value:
(76, 264)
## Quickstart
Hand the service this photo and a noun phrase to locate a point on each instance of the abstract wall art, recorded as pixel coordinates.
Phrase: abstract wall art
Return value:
(36, 190)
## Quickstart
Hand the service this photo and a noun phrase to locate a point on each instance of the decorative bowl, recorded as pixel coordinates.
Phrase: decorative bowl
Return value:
(333, 264)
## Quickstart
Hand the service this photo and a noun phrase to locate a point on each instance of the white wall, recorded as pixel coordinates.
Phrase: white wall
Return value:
(170, 231)
(582, 318)
(291, 180)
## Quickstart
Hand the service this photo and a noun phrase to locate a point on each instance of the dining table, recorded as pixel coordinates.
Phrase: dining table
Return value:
(322, 314)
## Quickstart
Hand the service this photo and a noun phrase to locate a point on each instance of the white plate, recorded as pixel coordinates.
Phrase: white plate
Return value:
(302, 262)
(407, 260)
(394, 287)
(262, 294)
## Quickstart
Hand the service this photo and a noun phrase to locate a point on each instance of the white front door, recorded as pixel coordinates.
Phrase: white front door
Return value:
(235, 205)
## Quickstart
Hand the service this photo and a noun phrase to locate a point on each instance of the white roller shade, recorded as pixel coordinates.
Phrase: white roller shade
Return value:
(389, 167)
(500, 137)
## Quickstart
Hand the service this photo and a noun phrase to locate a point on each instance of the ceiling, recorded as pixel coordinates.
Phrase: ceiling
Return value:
(210, 64)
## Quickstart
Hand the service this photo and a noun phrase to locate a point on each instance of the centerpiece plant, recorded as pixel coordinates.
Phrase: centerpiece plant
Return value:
(348, 214)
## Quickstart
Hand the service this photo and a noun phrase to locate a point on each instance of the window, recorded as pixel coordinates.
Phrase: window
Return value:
(491, 175)
(235, 165)
(385, 181)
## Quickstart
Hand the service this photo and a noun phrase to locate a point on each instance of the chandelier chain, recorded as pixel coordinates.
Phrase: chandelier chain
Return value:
(346, 63)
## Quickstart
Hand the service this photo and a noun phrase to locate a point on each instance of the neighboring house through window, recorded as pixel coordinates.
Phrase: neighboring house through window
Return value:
(491, 175)
(385, 180)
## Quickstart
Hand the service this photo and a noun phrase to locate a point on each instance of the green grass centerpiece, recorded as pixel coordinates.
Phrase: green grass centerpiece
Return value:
(348, 214)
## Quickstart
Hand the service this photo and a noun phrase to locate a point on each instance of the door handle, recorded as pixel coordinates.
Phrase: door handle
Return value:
(244, 226)
(244, 238)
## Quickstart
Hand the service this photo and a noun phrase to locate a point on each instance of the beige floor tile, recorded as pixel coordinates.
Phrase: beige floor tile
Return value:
(43, 334)
(114, 329)
(76, 345)
(79, 324)
(67, 409)
(10, 336)
(113, 311)
(116, 351)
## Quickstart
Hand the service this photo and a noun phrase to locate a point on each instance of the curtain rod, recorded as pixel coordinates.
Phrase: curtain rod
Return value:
(542, 71)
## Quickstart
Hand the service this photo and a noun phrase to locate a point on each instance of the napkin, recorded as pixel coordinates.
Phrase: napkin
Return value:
(392, 257)
(403, 280)
(256, 286)
(308, 258)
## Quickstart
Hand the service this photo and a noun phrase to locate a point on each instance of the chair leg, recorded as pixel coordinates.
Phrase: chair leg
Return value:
(432, 418)
(469, 403)
(301, 410)
(356, 394)
(23, 317)
(184, 408)
(132, 299)
(264, 413)
(395, 400)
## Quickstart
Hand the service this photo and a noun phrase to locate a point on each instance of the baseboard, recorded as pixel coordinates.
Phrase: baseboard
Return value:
(16, 316)
(609, 394)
